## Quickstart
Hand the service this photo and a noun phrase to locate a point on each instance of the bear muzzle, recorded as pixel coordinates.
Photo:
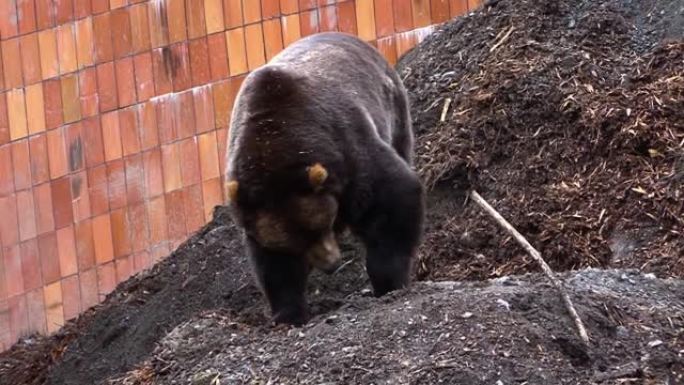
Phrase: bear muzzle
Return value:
(325, 254)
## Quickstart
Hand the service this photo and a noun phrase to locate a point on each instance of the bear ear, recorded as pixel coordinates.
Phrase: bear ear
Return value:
(231, 191)
(317, 175)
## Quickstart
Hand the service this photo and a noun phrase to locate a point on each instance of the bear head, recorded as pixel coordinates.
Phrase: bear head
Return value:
(293, 222)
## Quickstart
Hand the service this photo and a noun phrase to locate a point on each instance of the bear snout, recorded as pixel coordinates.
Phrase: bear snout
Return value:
(325, 254)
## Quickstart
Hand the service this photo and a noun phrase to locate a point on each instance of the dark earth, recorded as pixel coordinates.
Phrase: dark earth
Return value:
(568, 117)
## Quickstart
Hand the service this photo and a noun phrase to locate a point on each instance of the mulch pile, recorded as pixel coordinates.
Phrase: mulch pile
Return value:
(567, 116)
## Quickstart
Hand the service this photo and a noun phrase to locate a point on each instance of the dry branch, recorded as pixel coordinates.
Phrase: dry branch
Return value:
(537, 257)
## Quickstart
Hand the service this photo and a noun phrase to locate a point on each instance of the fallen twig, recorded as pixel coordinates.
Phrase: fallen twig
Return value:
(537, 257)
(503, 39)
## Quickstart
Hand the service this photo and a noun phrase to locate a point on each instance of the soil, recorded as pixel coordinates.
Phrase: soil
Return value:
(567, 116)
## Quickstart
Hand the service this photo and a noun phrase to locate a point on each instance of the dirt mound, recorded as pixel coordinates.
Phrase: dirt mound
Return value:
(568, 116)
(507, 331)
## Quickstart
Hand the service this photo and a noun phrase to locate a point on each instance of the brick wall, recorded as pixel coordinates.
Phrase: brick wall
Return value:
(113, 125)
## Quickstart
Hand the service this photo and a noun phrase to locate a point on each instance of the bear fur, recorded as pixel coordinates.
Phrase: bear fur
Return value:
(321, 141)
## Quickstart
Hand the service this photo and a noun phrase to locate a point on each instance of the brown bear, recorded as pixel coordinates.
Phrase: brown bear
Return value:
(321, 141)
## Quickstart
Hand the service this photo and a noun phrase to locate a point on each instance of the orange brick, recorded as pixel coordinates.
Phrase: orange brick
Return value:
(152, 163)
(291, 29)
(98, 189)
(327, 18)
(71, 102)
(273, 37)
(365, 19)
(40, 171)
(49, 64)
(44, 15)
(288, 7)
(64, 11)
(52, 97)
(125, 82)
(8, 18)
(30, 58)
(196, 22)
(61, 202)
(156, 17)
(232, 13)
(26, 211)
(144, 77)
(171, 167)
(212, 196)
(254, 39)
(182, 79)
(66, 249)
(114, 4)
(49, 259)
(88, 289)
(88, 95)
(66, 48)
(102, 38)
(57, 153)
(84, 42)
(199, 62)
(71, 296)
(27, 21)
(308, 22)
(403, 17)
(140, 30)
(106, 87)
(122, 39)
(10, 237)
(16, 111)
(111, 136)
(213, 16)
(388, 49)
(439, 11)
(235, 45)
(102, 237)
(116, 181)
(251, 11)
(11, 63)
(45, 221)
(384, 17)
(35, 305)
(204, 109)
(82, 8)
(175, 10)
(208, 151)
(346, 15)
(53, 306)
(218, 60)
(22, 164)
(147, 118)
(120, 238)
(156, 209)
(35, 108)
(270, 9)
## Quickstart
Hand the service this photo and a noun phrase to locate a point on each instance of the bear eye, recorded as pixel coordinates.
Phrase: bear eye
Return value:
(316, 212)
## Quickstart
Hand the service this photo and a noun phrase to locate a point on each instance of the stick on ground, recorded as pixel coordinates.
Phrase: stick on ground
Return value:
(537, 257)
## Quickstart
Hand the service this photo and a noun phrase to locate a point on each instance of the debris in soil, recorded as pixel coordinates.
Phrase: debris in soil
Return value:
(568, 116)
(420, 336)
